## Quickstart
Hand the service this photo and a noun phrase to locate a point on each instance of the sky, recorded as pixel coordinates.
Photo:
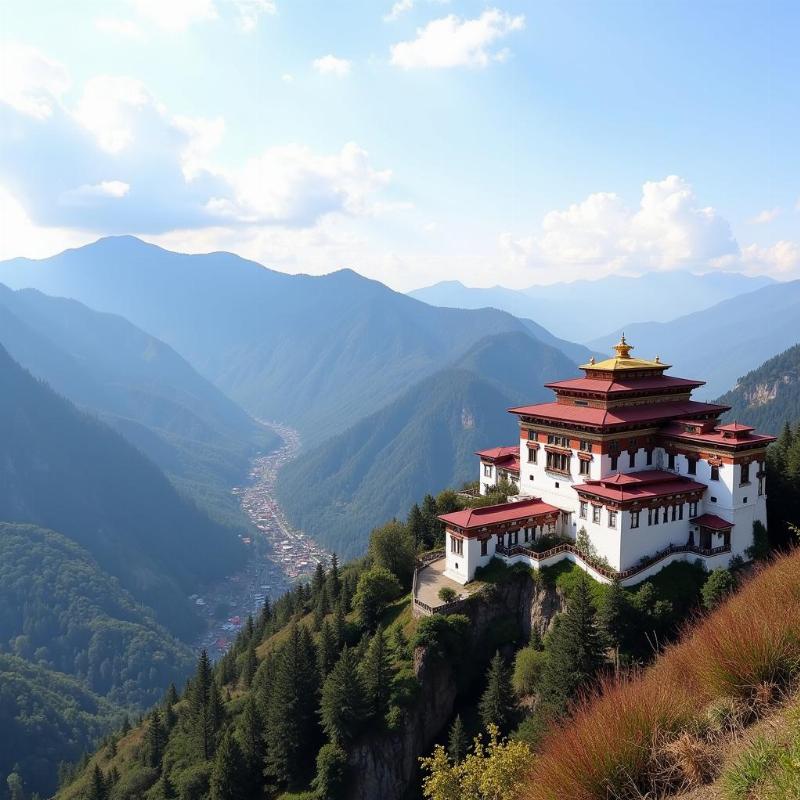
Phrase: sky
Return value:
(513, 142)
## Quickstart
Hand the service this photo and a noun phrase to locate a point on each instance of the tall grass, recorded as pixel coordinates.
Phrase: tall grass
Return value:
(615, 743)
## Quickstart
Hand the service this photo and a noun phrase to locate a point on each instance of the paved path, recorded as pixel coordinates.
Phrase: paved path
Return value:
(431, 578)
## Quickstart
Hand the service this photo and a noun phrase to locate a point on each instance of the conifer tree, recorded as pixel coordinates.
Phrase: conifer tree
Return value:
(327, 649)
(376, 675)
(333, 579)
(204, 708)
(168, 790)
(317, 582)
(416, 526)
(342, 706)
(227, 775)
(249, 629)
(98, 790)
(614, 617)
(458, 741)
(250, 666)
(250, 732)
(264, 619)
(155, 740)
(497, 702)
(339, 625)
(576, 650)
(429, 515)
(171, 696)
(400, 642)
(291, 724)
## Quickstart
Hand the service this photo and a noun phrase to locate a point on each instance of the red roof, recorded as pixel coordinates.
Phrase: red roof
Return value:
(608, 386)
(712, 521)
(735, 427)
(640, 485)
(744, 435)
(470, 518)
(598, 417)
(496, 453)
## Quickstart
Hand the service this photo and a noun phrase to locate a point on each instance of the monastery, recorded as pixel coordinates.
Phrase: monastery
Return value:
(621, 473)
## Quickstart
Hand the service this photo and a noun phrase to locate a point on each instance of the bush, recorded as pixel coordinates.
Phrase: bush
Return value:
(528, 666)
(444, 636)
(331, 768)
(376, 588)
(760, 549)
(447, 595)
(718, 586)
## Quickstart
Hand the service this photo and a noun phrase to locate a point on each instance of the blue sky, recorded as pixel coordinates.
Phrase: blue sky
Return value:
(510, 142)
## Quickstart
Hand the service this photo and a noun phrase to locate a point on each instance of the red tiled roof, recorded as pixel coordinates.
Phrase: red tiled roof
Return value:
(650, 412)
(495, 453)
(640, 485)
(735, 426)
(745, 436)
(712, 521)
(470, 518)
(604, 386)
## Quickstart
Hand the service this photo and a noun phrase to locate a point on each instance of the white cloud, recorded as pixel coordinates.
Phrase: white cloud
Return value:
(452, 42)
(782, 259)
(669, 229)
(119, 27)
(250, 12)
(767, 215)
(402, 6)
(287, 77)
(175, 15)
(331, 65)
(88, 192)
(30, 82)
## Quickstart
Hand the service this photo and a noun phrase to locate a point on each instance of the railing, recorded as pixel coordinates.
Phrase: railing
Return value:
(609, 572)
(444, 608)
(423, 559)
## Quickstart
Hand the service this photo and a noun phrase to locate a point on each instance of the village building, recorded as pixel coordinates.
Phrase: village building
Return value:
(621, 473)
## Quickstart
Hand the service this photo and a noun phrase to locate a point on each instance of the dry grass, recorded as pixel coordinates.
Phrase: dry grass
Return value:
(653, 733)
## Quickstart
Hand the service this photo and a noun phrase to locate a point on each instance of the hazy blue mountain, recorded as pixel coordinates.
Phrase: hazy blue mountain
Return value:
(317, 352)
(722, 342)
(768, 396)
(139, 385)
(581, 310)
(64, 470)
(423, 441)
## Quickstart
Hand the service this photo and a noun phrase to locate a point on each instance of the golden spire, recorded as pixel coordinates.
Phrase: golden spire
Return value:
(622, 348)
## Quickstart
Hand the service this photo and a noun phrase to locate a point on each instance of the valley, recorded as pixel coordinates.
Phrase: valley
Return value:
(277, 556)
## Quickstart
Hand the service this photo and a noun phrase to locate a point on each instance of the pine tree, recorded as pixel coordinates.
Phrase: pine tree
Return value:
(250, 666)
(614, 617)
(155, 740)
(400, 643)
(204, 708)
(264, 619)
(416, 526)
(576, 650)
(333, 579)
(342, 706)
(497, 701)
(317, 582)
(327, 649)
(227, 775)
(98, 790)
(458, 741)
(168, 790)
(291, 725)
(171, 696)
(376, 675)
(339, 626)
(126, 725)
(429, 515)
(250, 732)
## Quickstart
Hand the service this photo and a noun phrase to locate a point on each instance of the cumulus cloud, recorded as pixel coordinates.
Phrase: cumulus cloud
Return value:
(453, 42)
(30, 82)
(767, 215)
(781, 259)
(331, 65)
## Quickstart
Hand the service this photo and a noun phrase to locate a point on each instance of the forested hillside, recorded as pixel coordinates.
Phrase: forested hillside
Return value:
(318, 353)
(769, 396)
(62, 469)
(140, 386)
(421, 442)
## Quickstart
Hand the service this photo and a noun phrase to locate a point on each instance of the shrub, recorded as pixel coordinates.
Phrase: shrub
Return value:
(760, 549)
(375, 589)
(445, 636)
(528, 666)
(331, 768)
(718, 586)
(447, 595)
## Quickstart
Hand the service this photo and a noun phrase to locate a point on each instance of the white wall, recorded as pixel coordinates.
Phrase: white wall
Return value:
(607, 541)
(647, 540)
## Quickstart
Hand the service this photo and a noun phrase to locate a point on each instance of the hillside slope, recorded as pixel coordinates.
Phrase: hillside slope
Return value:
(420, 443)
(63, 470)
(723, 342)
(620, 297)
(138, 385)
(316, 352)
(769, 396)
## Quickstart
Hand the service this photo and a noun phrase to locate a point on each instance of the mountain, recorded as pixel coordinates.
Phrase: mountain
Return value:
(653, 296)
(723, 342)
(316, 352)
(138, 385)
(769, 396)
(61, 469)
(420, 443)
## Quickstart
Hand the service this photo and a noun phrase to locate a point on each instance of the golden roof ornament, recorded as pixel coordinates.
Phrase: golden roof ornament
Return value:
(622, 348)
(591, 360)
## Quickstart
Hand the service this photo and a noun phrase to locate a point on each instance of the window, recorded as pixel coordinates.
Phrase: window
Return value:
(596, 514)
(745, 476)
(671, 460)
(513, 538)
(456, 545)
(558, 462)
(584, 467)
(655, 515)
(500, 540)
(484, 547)
(583, 509)
(612, 519)
(691, 466)
(531, 455)
(559, 441)
(649, 456)
(631, 460)
(760, 485)
(744, 499)
(713, 499)
(531, 436)
(614, 459)
(634, 519)
(665, 518)
(527, 534)
(649, 516)
(714, 473)
(586, 446)
(693, 509)
(487, 470)
(674, 513)
(680, 511)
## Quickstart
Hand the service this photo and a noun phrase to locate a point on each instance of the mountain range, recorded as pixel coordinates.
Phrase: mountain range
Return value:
(424, 441)
(585, 310)
(318, 353)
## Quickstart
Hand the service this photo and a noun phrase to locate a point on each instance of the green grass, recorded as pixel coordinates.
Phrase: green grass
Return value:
(751, 769)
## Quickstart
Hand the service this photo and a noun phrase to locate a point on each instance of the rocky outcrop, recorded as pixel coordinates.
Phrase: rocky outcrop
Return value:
(386, 766)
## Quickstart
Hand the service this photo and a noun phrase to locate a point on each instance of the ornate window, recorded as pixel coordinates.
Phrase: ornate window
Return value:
(634, 519)
(583, 509)
(744, 478)
(596, 514)
(714, 472)
(584, 467)
(612, 519)
(456, 545)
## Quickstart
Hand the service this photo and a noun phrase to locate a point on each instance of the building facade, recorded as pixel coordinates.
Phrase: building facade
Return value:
(622, 473)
